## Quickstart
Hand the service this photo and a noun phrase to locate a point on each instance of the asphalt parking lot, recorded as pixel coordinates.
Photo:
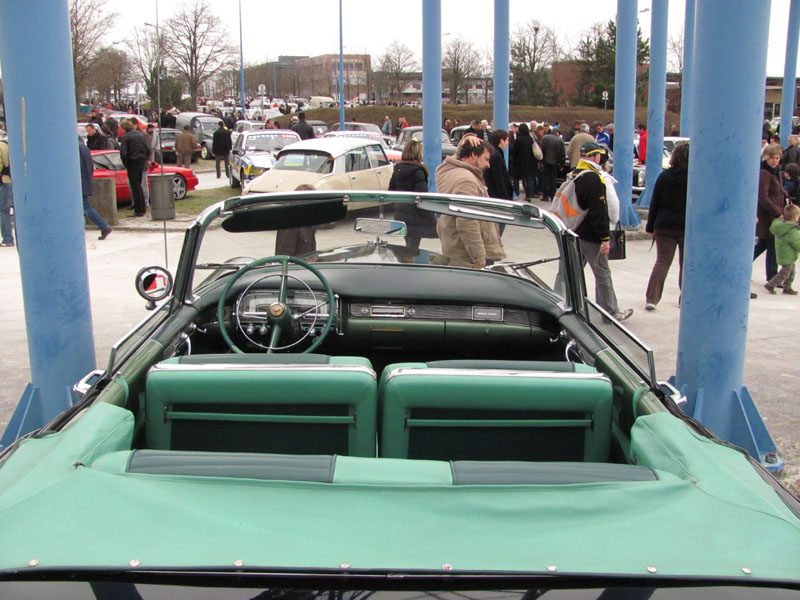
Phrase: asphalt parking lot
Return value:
(770, 373)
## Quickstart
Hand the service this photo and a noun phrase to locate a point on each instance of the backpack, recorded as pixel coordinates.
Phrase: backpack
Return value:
(565, 202)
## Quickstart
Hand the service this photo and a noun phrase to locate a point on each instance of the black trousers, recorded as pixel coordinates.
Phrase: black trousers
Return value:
(549, 174)
(135, 171)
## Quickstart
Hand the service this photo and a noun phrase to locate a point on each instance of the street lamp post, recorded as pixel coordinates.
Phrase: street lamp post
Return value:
(241, 56)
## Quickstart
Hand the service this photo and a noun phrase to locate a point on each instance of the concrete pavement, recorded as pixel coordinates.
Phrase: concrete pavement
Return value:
(773, 345)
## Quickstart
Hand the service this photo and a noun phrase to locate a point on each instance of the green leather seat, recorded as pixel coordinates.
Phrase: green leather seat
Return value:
(291, 404)
(525, 413)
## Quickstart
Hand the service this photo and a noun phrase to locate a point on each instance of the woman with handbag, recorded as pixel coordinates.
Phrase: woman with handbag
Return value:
(666, 222)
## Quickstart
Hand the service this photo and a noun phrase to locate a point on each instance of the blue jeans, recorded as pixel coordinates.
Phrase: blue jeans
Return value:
(6, 202)
(93, 215)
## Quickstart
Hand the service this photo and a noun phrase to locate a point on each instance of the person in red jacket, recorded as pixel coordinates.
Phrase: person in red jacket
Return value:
(642, 128)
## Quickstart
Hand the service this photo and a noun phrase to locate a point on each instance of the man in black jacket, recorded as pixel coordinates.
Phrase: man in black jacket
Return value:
(221, 147)
(553, 156)
(595, 239)
(303, 128)
(94, 139)
(135, 154)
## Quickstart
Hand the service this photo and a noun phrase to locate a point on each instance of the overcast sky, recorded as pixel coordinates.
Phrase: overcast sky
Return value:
(311, 27)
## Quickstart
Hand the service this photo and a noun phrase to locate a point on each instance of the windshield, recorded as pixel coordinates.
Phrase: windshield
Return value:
(269, 143)
(305, 160)
(209, 125)
(532, 252)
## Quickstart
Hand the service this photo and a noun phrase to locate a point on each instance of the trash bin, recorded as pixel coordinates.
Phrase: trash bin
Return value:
(162, 196)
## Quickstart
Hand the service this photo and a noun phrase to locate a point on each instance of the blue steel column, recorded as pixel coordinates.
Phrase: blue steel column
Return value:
(501, 70)
(657, 96)
(432, 87)
(341, 70)
(624, 109)
(788, 99)
(48, 206)
(723, 189)
(687, 78)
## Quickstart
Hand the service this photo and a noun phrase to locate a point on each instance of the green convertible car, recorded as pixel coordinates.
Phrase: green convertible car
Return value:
(364, 421)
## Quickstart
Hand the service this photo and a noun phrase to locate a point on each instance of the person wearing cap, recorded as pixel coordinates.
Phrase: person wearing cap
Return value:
(593, 232)
(221, 147)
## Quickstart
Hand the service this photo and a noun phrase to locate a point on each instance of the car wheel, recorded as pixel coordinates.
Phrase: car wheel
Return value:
(179, 187)
(204, 153)
(235, 183)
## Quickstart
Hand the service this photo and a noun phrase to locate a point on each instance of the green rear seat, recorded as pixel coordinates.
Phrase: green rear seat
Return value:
(292, 404)
(488, 411)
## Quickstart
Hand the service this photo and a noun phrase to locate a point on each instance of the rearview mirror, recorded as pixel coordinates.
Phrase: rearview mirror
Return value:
(380, 227)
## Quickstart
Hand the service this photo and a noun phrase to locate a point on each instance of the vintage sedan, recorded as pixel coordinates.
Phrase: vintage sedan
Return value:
(408, 133)
(254, 153)
(164, 139)
(331, 163)
(364, 421)
(392, 154)
(108, 164)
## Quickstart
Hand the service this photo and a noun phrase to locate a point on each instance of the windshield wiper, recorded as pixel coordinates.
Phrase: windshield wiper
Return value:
(233, 266)
(524, 265)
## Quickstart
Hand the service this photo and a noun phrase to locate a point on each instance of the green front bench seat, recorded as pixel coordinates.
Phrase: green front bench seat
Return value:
(495, 411)
(291, 404)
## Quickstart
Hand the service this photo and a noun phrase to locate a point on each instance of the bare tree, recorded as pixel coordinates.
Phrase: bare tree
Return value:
(145, 52)
(534, 48)
(197, 45)
(397, 64)
(675, 53)
(461, 62)
(486, 72)
(110, 73)
(88, 22)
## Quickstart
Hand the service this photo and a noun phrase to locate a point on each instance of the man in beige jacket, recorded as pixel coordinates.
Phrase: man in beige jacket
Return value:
(467, 242)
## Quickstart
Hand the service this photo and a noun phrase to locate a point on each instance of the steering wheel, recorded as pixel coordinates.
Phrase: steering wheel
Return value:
(278, 318)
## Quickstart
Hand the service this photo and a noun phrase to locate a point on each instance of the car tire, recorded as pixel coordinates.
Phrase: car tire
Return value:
(235, 183)
(179, 187)
(204, 153)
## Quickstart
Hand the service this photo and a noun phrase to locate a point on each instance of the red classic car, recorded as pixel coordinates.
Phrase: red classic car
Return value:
(107, 163)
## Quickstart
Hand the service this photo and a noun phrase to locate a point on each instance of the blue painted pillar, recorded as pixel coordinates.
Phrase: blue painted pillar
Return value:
(432, 87)
(722, 195)
(687, 78)
(341, 70)
(501, 70)
(48, 205)
(657, 96)
(788, 99)
(624, 109)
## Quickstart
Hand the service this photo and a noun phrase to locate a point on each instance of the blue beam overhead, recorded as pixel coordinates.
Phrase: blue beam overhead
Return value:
(49, 220)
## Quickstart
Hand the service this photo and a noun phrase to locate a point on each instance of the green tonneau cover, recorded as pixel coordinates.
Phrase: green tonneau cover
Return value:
(708, 514)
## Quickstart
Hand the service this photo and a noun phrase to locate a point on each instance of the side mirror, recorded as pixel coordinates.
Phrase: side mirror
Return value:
(153, 284)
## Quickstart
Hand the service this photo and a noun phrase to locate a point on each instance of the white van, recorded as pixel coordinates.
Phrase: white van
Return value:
(321, 102)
